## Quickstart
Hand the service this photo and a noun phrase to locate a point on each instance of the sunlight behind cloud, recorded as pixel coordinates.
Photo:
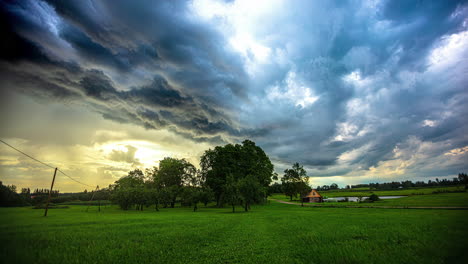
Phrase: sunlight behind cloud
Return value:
(238, 21)
(148, 153)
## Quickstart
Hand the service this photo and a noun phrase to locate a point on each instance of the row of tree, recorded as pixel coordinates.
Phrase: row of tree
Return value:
(461, 179)
(231, 174)
(294, 183)
(9, 196)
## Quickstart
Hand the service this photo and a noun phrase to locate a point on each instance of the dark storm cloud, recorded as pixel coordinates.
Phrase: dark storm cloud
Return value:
(168, 53)
(157, 35)
(92, 51)
(366, 66)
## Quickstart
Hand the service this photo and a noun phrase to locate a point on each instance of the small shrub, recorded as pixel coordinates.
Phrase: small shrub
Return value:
(374, 197)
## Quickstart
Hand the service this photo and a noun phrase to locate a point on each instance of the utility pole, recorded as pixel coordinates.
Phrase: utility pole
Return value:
(99, 202)
(50, 192)
(92, 197)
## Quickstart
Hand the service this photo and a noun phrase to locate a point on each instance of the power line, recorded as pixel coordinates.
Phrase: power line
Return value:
(45, 164)
(27, 155)
(74, 179)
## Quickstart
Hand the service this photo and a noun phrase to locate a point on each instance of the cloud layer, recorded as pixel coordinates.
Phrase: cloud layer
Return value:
(348, 88)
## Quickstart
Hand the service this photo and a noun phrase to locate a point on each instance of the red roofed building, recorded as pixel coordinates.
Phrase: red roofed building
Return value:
(313, 197)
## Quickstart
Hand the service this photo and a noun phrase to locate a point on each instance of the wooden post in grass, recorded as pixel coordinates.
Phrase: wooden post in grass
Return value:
(50, 192)
(92, 197)
(99, 201)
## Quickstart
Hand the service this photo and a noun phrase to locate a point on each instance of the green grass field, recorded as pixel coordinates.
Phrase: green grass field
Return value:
(409, 191)
(273, 233)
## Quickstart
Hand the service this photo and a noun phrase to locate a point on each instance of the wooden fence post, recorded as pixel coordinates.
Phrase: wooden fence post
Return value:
(50, 192)
(92, 197)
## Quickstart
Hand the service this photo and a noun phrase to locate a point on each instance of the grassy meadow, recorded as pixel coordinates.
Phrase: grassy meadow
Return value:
(272, 233)
(406, 191)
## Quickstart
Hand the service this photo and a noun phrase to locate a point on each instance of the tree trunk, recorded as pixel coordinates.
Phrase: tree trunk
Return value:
(156, 207)
(233, 208)
(246, 207)
(290, 197)
(195, 208)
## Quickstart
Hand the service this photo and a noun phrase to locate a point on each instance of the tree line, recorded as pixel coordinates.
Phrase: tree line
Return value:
(234, 174)
(461, 179)
(291, 186)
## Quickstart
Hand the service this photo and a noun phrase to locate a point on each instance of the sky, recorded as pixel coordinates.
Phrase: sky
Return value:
(355, 91)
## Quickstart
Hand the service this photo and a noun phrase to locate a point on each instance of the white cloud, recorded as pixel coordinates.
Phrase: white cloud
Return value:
(450, 50)
(294, 91)
(429, 123)
(353, 154)
(346, 131)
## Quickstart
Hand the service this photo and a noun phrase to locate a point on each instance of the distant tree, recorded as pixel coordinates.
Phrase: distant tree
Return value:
(206, 195)
(293, 180)
(12, 188)
(275, 188)
(359, 198)
(251, 191)
(303, 189)
(10, 198)
(275, 176)
(193, 195)
(128, 190)
(289, 188)
(173, 174)
(154, 197)
(463, 179)
(374, 197)
(231, 192)
(135, 178)
(333, 186)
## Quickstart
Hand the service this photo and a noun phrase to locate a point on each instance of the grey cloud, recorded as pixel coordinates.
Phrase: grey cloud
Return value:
(187, 53)
(154, 65)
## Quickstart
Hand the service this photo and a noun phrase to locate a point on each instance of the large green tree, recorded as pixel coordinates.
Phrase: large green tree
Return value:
(128, 190)
(172, 175)
(237, 161)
